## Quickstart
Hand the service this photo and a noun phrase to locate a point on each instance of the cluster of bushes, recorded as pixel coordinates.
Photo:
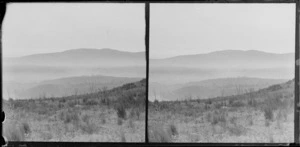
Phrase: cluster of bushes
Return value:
(83, 122)
(217, 117)
(87, 126)
(68, 116)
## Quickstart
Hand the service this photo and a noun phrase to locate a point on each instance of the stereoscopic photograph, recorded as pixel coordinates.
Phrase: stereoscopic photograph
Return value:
(74, 72)
(221, 73)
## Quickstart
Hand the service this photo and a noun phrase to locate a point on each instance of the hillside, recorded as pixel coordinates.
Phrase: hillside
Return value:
(67, 86)
(276, 91)
(130, 94)
(103, 116)
(261, 116)
(210, 88)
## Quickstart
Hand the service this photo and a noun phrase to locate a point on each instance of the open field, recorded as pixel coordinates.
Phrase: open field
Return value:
(265, 116)
(116, 115)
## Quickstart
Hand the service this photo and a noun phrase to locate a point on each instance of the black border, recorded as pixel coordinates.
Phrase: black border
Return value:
(147, 38)
(155, 1)
(296, 118)
(2, 14)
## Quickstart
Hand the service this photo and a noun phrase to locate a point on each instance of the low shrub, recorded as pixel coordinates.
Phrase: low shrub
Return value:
(121, 112)
(88, 127)
(120, 121)
(208, 117)
(71, 117)
(172, 129)
(237, 104)
(233, 120)
(46, 136)
(86, 118)
(123, 139)
(236, 130)
(158, 134)
(218, 117)
(268, 113)
(26, 127)
(13, 132)
(131, 123)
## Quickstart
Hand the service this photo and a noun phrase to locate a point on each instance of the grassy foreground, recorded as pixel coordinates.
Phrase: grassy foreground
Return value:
(116, 115)
(264, 116)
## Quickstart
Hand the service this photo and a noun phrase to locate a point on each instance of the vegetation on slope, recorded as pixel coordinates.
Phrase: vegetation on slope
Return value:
(79, 117)
(265, 115)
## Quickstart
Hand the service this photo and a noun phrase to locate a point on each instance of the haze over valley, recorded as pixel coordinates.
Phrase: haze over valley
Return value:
(225, 72)
(70, 72)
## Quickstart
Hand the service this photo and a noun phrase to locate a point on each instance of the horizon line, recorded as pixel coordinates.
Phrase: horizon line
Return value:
(105, 48)
(215, 52)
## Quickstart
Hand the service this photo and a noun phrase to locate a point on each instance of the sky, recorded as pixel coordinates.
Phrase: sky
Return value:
(31, 28)
(182, 29)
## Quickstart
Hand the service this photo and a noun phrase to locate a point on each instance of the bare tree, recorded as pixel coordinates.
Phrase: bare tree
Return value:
(104, 92)
(104, 89)
(189, 97)
(238, 89)
(222, 92)
(7, 90)
(75, 91)
(91, 87)
(154, 93)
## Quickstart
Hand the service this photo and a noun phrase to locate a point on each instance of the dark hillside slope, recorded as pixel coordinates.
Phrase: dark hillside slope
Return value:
(272, 97)
(71, 86)
(131, 95)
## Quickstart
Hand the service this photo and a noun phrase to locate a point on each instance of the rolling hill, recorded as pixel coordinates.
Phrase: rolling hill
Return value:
(210, 88)
(69, 86)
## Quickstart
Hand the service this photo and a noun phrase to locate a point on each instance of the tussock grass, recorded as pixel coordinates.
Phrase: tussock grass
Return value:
(268, 113)
(69, 116)
(172, 129)
(121, 111)
(237, 130)
(14, 132)
(26, 127)
(159, 134)
(120, 121)
(103, 120)
(236, 118)
(131, 123)
(78, 118)
(87, 126)
(271, 139)
(218, 117)
(46, 135)
(123, 138)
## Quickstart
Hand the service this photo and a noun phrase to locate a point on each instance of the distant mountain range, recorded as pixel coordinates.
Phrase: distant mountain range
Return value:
(83, 57)
(229, 59)
(221, 64)
(74, 62)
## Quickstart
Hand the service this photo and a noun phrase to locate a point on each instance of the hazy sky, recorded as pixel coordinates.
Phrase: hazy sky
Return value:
(180, 29)
(52, 27)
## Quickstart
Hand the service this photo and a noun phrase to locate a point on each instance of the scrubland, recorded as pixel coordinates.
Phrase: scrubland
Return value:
(116, 115)
(264, 116)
